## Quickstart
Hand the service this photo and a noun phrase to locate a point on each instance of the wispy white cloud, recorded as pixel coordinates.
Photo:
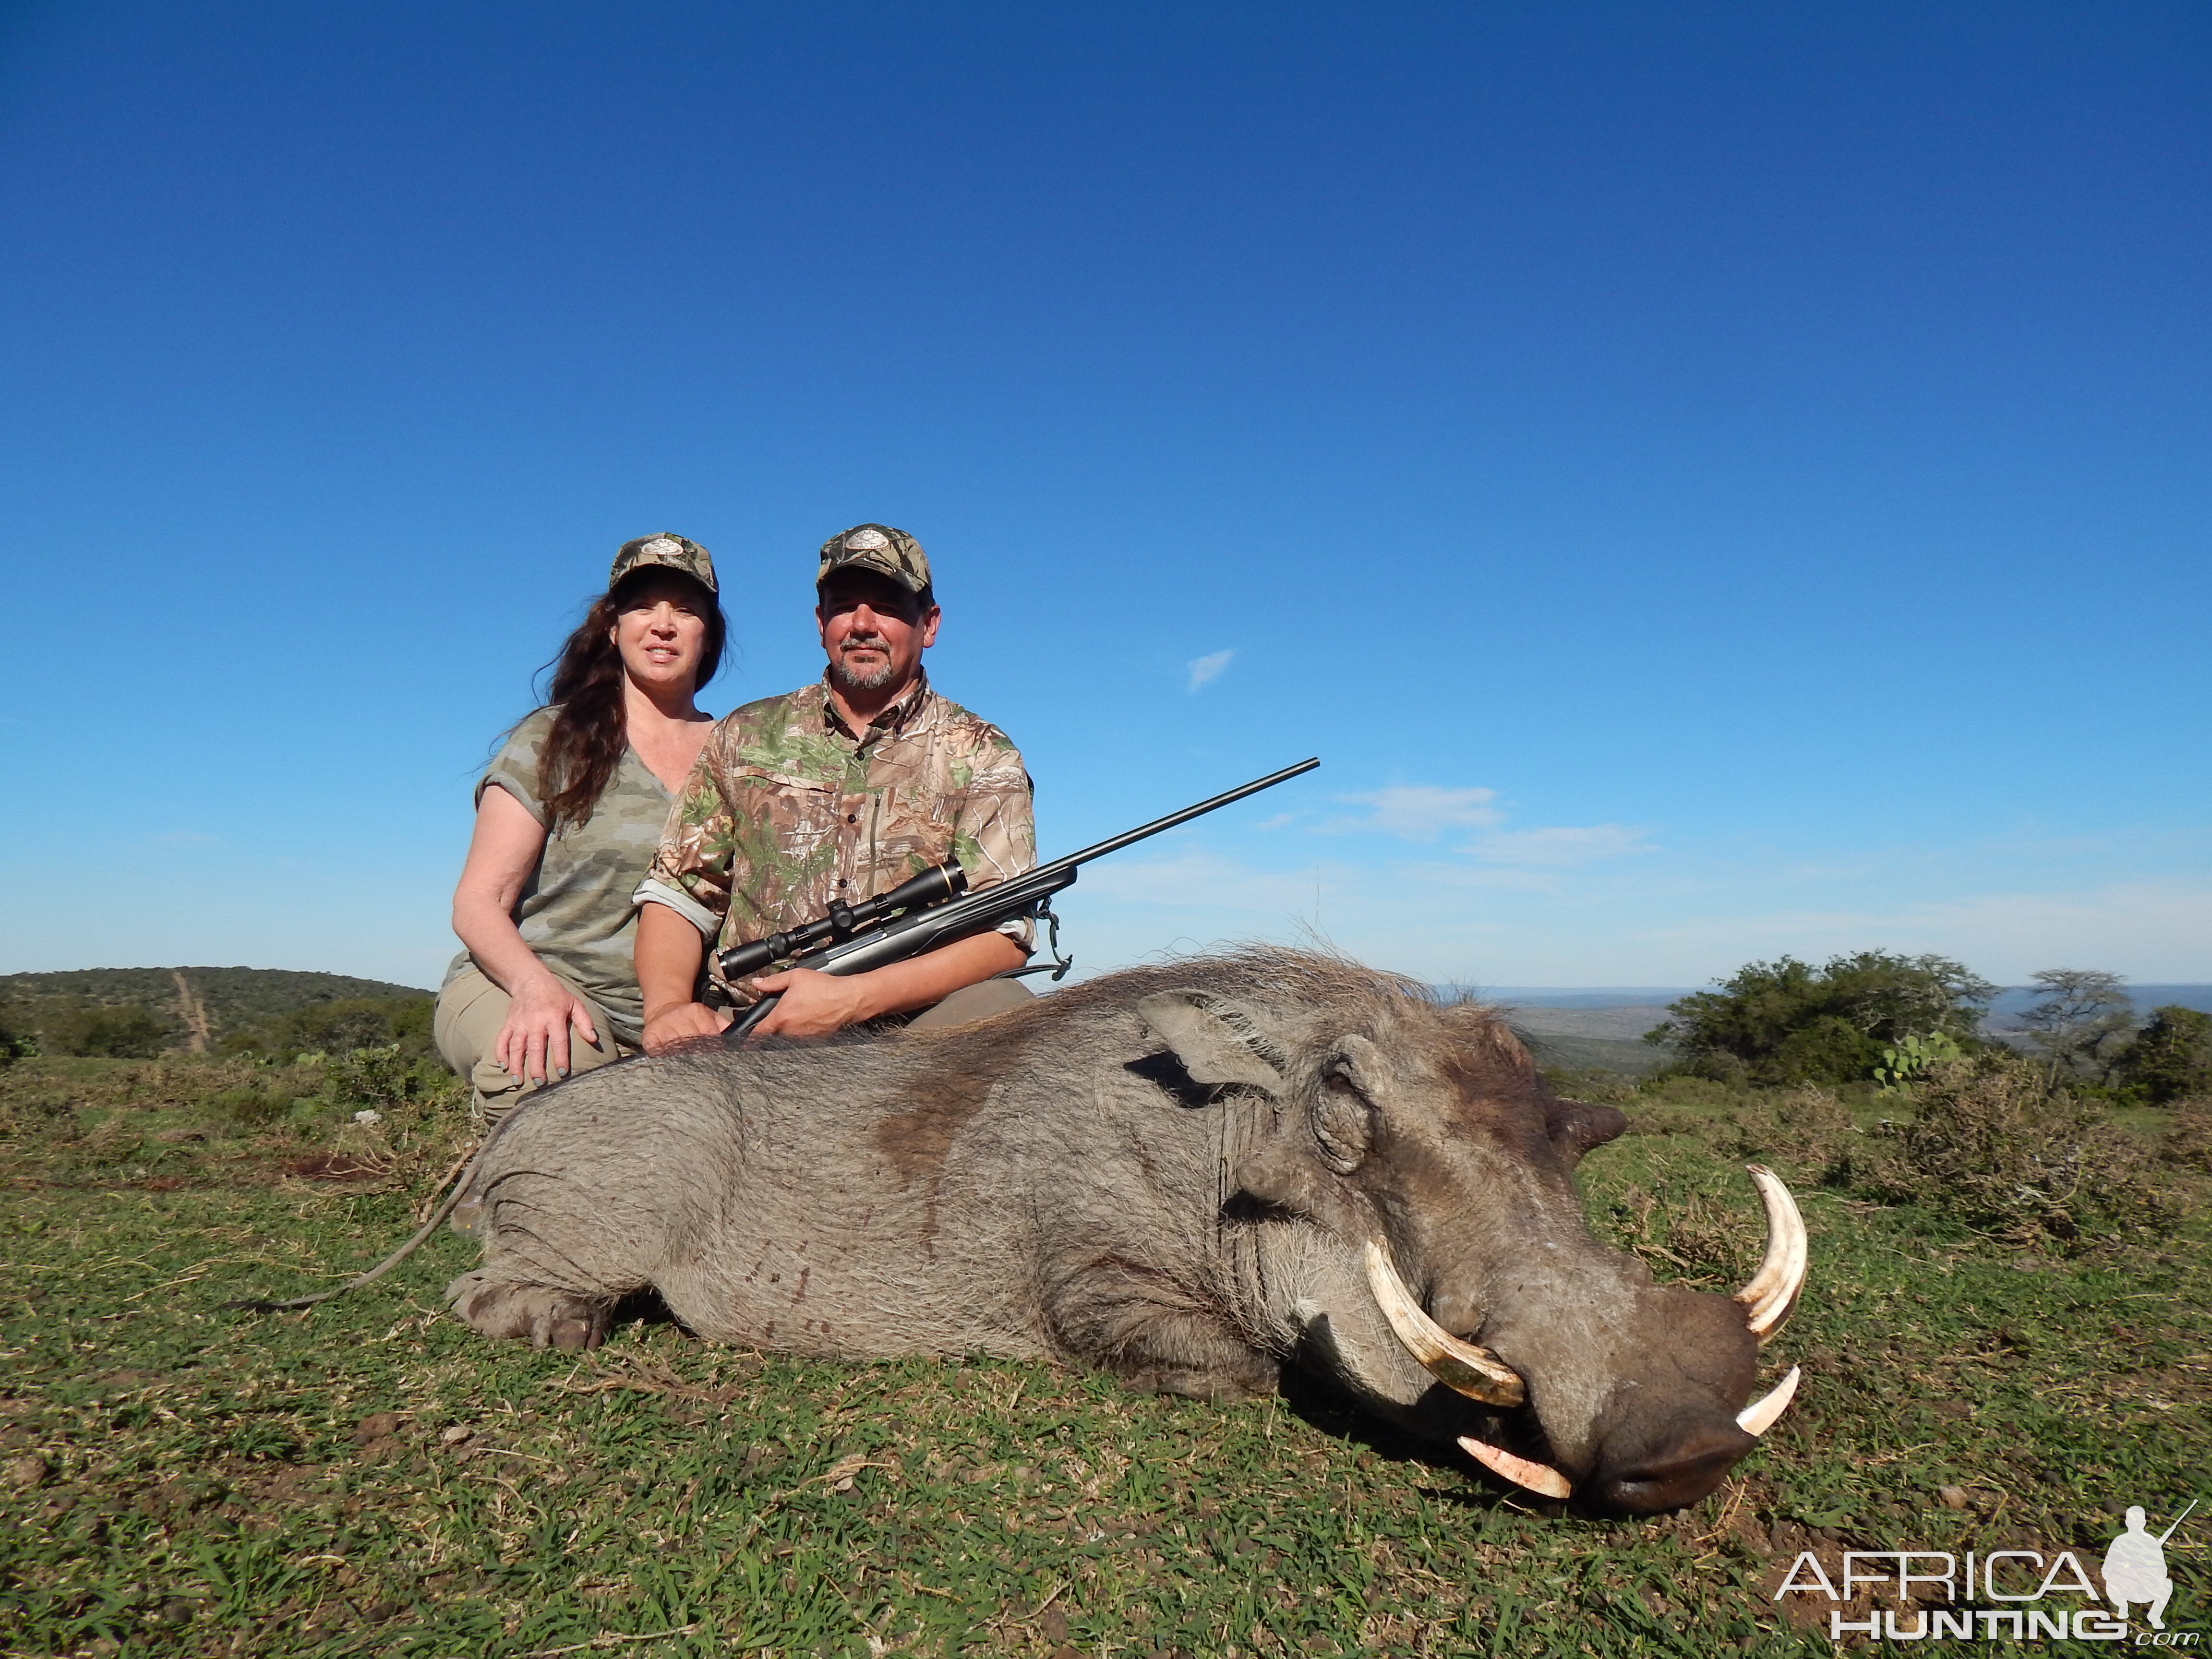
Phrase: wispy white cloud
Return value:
(1203, 669)
(1562, 847)
(1424, 813)
(1198, 879)
(1417, 811)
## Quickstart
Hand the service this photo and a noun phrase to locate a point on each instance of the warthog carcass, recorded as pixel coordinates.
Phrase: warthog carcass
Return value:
(1189, 1175)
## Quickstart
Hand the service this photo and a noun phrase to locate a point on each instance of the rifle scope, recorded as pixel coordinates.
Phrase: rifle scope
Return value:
(934, 885)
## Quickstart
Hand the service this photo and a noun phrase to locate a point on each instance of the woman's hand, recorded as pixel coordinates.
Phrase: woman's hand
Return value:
(534, 1040)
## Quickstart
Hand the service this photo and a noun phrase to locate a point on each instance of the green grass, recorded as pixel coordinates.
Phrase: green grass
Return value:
(370, 1478)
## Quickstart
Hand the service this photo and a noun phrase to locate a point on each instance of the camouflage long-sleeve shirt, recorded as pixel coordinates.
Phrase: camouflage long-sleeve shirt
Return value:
(787, 811)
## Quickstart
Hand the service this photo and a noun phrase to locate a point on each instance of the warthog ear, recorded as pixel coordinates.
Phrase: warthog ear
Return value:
(1217, 1041)
(1574, 1126)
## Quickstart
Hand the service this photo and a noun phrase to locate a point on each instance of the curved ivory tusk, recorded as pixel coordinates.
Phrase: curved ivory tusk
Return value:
(1774, 1289)
(1759, 1416)
(1476, 1373)
(1536, 1477)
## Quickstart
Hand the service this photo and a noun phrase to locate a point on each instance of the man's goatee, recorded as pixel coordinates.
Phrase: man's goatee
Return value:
(874, 680)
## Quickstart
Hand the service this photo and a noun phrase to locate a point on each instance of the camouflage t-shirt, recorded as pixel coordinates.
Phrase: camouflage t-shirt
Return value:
(576, 910)
(788, 812)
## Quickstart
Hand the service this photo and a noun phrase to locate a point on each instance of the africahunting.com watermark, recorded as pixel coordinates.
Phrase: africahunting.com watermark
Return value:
(2002, 1595)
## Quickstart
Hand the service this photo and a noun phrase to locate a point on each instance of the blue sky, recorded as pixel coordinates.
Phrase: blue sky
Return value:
(1708, 481)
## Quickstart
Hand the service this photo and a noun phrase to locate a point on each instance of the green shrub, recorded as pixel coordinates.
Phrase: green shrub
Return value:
(115, 1033)
(376, 1079)
(2188, 1141)
(1693, 1231)
(2170, 1059)
(1989, 1149)
(254, 1106)
(17, 1040)
(1787, 1022)
(408, 1093)
(1808, 1131)
(31, 1112)
(340, 1027)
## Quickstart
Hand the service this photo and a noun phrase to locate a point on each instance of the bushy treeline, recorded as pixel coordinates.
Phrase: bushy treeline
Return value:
(1787, 1022)
(129, 1031)
(1878, 1016)
(139, 1013)
(124, 1033)
(340, 1028)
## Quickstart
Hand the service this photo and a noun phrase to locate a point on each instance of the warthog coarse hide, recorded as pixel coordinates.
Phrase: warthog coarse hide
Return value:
(1172, 1174)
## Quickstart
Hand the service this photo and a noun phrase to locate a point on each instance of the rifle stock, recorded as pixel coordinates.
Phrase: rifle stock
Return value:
(910, 921)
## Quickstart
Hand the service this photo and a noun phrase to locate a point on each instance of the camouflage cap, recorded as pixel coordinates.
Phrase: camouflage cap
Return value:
(880, 548)
(675, 552)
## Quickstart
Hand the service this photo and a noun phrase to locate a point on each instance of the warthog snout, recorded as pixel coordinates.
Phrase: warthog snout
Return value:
(1693, 1461)
(1666, 1434)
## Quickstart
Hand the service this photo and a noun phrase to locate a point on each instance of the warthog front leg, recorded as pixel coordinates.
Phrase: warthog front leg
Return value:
(558, 1255)
(1156, 1333)
(550, 1318)
(1243, 1377)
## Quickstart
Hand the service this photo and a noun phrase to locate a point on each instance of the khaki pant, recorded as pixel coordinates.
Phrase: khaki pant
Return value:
(471, 1010)
(465, 1028)
(973, 1002)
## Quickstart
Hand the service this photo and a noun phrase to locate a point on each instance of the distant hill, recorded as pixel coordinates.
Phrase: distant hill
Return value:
(1623, 1024)
(199, 1006)
(1591, 1053)
(1588, 996)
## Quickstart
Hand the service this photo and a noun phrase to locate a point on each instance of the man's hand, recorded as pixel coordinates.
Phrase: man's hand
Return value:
(817, 1004)
(670, 1026)
(668, 953)
(814, 1003)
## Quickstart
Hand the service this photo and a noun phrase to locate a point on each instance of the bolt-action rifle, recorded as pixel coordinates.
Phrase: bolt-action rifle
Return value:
(935, 908)
(915, 917)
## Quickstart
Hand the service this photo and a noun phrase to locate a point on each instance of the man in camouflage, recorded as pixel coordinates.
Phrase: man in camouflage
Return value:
(839, 791)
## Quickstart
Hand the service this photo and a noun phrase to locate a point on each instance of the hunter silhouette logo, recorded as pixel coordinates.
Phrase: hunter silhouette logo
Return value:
(2135, 1567)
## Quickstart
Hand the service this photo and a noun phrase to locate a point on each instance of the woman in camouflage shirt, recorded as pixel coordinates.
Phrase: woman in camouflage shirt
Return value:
(568, 814)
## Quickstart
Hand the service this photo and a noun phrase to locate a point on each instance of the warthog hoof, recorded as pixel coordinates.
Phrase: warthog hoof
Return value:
(1212, 1387)
(548, 1317)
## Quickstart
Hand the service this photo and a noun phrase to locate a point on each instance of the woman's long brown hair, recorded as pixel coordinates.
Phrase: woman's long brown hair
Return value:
(590, 730)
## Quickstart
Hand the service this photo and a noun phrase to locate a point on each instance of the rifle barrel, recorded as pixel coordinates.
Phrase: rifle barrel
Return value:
(2178, 1520)
(1115, 844)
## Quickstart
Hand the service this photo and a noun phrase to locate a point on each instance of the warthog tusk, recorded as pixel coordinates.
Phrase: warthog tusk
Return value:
(1476, 1373)
(1759, 1416)
(1773, 1291)
(1536, 1477)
